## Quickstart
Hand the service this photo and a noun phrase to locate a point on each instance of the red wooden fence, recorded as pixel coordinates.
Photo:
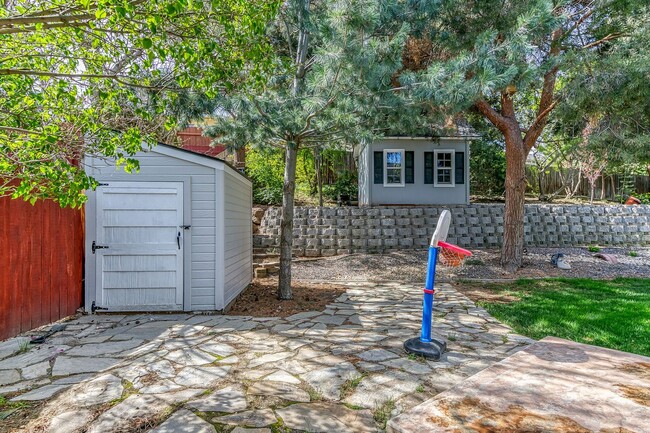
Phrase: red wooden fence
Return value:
(41, 264)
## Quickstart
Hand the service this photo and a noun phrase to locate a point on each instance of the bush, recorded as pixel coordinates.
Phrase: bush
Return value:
(266, 169)
(346, 184)
(487, 167)
(645, 198)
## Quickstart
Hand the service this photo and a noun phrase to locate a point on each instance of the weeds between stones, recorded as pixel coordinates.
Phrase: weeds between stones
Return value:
(350, 385)
(383, 413)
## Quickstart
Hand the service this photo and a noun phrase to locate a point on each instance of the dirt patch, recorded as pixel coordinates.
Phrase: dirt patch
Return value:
(410, 266)
(21, 416)
(637, 394)
(260, 298)
(481, 418)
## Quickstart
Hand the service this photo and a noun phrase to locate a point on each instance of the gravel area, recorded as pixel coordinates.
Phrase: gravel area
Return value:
(410, 266)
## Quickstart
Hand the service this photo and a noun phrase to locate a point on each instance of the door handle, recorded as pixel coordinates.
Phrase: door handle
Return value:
(178, 240)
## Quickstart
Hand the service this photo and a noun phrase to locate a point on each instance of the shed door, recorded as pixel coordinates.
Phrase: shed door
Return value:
(141, 269)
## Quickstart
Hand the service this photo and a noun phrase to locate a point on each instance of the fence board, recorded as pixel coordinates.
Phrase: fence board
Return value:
(41, 264)
(551, 182)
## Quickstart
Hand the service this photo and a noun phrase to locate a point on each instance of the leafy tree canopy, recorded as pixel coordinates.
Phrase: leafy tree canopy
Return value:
(93, 77)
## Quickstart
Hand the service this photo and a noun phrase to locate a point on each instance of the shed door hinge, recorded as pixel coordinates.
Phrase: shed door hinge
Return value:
(94, 307)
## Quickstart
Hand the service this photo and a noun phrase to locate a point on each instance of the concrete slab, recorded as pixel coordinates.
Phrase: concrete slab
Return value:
(554, 385)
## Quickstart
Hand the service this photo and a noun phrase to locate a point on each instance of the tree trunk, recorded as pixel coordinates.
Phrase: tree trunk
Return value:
(602, 185)
(291, 155)
(286, 224)
(319, 177)
(513, 219)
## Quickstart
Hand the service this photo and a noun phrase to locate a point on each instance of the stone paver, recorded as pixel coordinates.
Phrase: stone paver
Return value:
(134, 409)
(200, 376)
(8, 377)
(184, 421)
(327, 417)
(284, 391)
(554, 385)
(66, 365)
(245, 372)
(70, 422)
(377, 355)
(228, 400)
(41, 393)
(251, 418)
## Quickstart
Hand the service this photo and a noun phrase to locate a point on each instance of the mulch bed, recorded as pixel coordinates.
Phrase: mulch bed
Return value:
(260, 298)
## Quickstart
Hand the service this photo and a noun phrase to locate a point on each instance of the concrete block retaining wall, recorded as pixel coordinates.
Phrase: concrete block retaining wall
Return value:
(344, 230)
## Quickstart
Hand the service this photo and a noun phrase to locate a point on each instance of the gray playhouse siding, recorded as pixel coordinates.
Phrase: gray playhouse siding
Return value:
(417, 193)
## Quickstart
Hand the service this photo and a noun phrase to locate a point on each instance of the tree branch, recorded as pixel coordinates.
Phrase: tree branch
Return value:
(13, 21)
(492, 115)
(119, 78)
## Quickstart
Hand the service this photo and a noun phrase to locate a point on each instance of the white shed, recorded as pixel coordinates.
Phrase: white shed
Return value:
(174, 237)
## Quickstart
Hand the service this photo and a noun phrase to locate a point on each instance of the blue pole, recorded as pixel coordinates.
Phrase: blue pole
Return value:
(427, 308)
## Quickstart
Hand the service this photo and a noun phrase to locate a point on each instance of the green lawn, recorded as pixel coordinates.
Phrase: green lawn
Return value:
(614, 314)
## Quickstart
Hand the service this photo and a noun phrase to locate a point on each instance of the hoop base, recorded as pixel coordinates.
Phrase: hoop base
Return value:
(432, 350)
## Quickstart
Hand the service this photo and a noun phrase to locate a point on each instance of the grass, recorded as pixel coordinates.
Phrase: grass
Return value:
(350, 385)
(383, 413)
(593, 249)
(633, 254)
(608, 313)
(24, 346)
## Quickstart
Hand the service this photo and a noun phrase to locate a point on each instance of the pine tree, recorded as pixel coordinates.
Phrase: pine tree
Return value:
(330, 88)
(496, 57)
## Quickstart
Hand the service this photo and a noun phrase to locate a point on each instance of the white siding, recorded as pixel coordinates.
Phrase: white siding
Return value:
(238, 236)
(155, 166)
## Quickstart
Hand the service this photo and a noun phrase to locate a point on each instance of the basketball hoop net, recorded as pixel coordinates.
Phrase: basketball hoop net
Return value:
(452, 255)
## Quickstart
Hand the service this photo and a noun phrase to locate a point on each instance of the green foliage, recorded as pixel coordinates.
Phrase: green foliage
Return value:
(346, 184)
(265, 167)
(633, 254)
(644, 198)
(593, 249)
(335, 102)
(487, 167)
(94, 78)
(609, 313)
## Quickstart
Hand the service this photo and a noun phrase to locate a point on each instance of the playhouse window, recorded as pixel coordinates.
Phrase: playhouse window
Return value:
(444, 172)
(394, 167)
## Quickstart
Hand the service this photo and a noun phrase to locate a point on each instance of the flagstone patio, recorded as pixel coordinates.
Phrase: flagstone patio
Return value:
(338, 370)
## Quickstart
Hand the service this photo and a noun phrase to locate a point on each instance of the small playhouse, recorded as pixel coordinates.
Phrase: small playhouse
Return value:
(414, 171)
(176, 236)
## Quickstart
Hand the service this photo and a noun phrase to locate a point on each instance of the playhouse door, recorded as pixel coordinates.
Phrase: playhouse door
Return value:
(138, 246)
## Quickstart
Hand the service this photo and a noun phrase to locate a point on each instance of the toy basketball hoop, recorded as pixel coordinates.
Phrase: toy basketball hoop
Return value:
(450, 255)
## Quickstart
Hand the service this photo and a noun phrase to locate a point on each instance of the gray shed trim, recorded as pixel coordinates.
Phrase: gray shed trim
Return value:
(204, 181)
